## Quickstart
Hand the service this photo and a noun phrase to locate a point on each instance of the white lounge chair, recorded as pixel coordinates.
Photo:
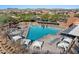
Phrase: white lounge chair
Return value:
(63, 44)
(15, 38)
(37, 44)
(26, 42)
(69, 40)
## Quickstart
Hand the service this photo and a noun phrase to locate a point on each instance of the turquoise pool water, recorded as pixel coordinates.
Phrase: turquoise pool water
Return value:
(37, 32)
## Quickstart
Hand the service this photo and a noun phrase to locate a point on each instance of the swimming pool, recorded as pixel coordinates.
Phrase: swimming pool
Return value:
(37, 32)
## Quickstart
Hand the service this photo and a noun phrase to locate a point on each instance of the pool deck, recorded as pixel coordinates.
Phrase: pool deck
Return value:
(48, 45)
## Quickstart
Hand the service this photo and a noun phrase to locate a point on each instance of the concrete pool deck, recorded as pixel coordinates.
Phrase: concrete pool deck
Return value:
(48, 45)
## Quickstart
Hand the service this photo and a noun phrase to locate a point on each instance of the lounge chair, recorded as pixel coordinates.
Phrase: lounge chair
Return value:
(63, 44)
(15, 38)
(26, 42)
(69, 40)
(37, 44)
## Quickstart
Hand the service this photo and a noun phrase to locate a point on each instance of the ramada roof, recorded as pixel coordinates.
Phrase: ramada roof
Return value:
(72, 31)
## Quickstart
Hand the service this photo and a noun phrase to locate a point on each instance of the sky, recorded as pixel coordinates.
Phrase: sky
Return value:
(39, 6)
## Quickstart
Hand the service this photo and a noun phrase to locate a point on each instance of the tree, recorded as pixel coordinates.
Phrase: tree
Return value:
(76, 15)
(45, 16)
(4, 19)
